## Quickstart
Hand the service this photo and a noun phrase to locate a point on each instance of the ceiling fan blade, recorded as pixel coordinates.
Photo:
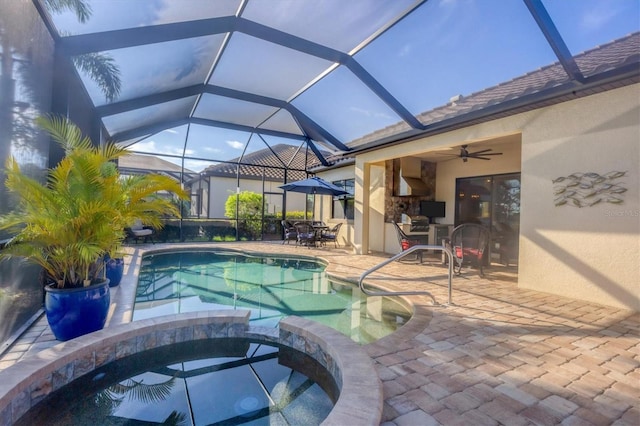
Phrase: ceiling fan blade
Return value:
(457, 157)
(480, 152)
(480, 155)
(445, 154)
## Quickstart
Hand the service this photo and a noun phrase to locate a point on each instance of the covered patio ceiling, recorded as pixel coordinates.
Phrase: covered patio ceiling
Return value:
(208, 80)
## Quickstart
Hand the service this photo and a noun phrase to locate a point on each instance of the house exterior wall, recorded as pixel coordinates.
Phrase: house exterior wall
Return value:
(377, 207)
(324, 203)
(590, 253)
(222, 187)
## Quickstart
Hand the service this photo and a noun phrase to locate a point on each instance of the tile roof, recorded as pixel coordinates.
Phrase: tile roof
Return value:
(274, 164)
(621, 52)
(148, 162)
(140, 163)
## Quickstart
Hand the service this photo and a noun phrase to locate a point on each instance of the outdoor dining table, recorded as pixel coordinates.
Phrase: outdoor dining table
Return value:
(318, 229)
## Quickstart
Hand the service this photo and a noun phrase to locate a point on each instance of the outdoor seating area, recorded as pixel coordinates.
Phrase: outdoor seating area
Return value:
(138, 231)
(310, 233)
(468, 243)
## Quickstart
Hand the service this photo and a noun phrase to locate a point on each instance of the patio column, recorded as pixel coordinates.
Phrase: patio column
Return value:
(361, 213)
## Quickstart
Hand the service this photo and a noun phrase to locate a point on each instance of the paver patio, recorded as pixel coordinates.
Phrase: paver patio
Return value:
(497, 355)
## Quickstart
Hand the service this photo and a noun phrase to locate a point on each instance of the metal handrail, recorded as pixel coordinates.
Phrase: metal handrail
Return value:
(399, 256)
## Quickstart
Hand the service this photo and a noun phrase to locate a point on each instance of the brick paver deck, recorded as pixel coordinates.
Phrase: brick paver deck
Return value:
(497, 355)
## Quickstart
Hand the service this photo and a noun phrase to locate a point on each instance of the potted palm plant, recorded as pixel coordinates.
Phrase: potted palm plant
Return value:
(69, 224)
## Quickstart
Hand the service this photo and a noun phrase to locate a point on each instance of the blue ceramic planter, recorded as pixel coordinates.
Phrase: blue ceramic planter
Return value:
(77, 311)
(114, 270)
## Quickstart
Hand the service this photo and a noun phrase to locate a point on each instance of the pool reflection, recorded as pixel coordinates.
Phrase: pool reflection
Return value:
(270, 287)
(218, 381)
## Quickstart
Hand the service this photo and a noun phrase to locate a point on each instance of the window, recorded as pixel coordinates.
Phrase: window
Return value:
(343, 205)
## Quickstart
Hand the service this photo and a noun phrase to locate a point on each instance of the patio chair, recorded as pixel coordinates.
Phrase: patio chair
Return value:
(468, 243)
(406, 242)
(138, 230)
(331, 235)
(306, 234)
(290, 233)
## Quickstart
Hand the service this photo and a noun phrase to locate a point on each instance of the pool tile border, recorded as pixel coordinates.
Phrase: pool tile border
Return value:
(29, 381)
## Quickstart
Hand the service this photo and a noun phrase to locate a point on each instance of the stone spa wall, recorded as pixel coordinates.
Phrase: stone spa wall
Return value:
(360, 400)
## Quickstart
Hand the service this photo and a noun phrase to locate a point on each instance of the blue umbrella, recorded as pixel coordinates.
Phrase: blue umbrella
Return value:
(314, 185)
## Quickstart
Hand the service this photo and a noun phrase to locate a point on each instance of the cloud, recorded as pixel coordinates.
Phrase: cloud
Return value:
(405, 50)
(235, 144)
(596, 18)
(145, 146)
(196, 165)
(369, 113)
(150, 146)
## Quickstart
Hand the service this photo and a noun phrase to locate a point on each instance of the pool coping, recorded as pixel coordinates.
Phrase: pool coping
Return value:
(28, 382)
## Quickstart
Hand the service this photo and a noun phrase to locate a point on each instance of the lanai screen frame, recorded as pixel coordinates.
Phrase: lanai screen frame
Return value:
(243, 20)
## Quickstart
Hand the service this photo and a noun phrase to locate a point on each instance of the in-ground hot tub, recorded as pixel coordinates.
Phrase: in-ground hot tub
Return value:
(351, 372)
(204, 382)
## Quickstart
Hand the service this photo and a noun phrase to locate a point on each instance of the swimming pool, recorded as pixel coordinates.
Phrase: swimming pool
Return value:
(270, 287)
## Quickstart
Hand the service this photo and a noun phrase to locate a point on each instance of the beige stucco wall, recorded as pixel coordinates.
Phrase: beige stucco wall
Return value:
(221, 188)
(324, 202)
(376, 209)
(591, 253)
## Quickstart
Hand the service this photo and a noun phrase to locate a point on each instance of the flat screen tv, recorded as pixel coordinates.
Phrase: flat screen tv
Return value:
(432, 209)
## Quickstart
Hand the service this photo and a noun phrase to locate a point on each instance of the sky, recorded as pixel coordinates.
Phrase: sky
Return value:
(443, 49)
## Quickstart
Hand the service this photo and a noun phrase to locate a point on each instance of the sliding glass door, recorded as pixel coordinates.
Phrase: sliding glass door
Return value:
(492, 201)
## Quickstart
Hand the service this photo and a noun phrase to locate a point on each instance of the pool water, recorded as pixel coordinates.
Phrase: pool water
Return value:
(270, 287)
(212, 382)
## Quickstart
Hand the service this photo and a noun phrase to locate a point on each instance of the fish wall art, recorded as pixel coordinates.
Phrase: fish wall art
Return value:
(589, 189)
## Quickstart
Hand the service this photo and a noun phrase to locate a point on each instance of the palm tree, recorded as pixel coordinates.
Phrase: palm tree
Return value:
(69, 224)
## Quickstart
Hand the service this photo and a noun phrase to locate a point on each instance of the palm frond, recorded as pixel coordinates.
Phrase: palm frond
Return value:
(103, 70)
(146, 393)
(63, 131)
(175, 419)
(80, 8)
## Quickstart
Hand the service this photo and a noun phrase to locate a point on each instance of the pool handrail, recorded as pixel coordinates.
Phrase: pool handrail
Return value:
(408, 293)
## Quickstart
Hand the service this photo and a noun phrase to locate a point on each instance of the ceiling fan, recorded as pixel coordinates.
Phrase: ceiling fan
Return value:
(480, 155)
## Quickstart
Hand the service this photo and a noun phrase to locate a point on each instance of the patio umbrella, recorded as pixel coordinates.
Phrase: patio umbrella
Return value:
(314, 185)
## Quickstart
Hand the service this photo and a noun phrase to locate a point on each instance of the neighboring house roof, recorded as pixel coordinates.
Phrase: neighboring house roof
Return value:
(138, 163)
(621, 52)
(271, 162)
